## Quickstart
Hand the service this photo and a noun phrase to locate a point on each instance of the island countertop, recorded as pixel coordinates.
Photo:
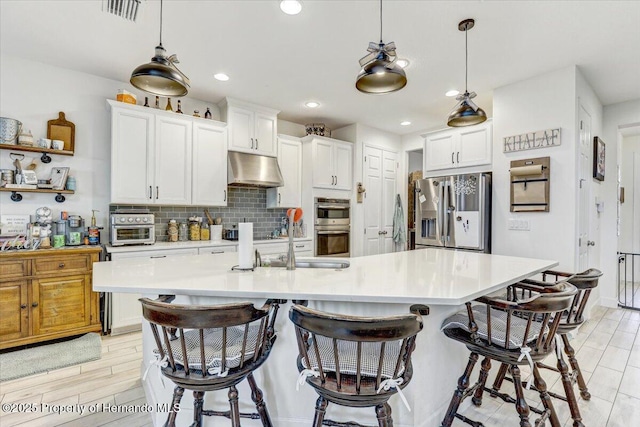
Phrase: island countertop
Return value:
(427, 276)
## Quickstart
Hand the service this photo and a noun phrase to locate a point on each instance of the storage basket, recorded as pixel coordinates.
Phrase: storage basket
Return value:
(9, 130)
(319, 129)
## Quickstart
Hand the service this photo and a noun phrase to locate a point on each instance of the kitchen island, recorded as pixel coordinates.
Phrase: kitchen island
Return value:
(376, 285)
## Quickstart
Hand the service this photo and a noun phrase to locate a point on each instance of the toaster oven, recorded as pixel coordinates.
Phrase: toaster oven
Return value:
(132, 228)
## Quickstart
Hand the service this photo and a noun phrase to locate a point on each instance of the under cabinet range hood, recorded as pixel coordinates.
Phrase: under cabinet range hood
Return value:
(253, 170)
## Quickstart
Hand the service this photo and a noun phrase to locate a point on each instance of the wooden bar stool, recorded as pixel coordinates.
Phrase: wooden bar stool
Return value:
(571, 319)
(215, 348)
(355, 361)
(514, 333)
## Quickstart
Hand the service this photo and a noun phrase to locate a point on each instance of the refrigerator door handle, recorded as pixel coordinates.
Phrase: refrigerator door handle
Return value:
(441, 211)
(446, 212)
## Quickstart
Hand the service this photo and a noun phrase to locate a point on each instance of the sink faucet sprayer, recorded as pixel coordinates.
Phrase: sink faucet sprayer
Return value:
(294, 214)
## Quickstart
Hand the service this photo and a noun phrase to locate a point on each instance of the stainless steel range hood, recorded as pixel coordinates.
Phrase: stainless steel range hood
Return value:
(253, 170)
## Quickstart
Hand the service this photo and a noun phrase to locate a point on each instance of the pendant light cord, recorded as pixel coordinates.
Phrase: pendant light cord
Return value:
(380, 21)
(466, 57)
(160, 22)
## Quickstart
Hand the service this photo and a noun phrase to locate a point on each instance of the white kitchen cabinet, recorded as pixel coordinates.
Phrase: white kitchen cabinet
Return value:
(290, 162)
(126, 311)
(252, 128)
(458, 147)
(209, 172)
(302, 248)
(331, 162)
(160, 157)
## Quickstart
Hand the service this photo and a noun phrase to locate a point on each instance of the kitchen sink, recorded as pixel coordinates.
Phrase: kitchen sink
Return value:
(313, 263)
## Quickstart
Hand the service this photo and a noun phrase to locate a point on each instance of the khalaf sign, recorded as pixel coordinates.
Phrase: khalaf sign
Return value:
(528, 141)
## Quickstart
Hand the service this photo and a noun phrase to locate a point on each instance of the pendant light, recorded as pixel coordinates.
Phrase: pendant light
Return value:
(380, 73)
(466, 113)
(161, 76)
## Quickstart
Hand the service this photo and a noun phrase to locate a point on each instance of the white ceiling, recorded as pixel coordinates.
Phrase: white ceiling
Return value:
(282, 61)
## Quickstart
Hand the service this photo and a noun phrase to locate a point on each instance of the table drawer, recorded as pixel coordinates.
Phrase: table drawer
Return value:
(14, 268)
(62, 264)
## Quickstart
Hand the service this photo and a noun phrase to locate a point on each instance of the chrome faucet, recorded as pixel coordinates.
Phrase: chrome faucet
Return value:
(291, 257)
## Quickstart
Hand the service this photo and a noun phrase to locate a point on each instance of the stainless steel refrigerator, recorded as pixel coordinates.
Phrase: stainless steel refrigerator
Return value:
(454, 212)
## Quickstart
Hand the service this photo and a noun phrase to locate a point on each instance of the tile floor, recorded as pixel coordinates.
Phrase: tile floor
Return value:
(608, 348)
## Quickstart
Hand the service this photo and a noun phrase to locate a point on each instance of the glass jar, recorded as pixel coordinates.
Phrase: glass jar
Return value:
(194, 230)
(172, 231)
(183, 232)
(204, 231)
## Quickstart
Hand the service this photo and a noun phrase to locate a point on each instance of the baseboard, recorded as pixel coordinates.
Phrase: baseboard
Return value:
(126, 329)
(608, 302)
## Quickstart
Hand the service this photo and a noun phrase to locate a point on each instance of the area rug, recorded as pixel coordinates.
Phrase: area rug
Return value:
(20, 363)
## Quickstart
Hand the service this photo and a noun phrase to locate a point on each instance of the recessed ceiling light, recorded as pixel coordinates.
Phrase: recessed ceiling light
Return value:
(312, 104)
(291, 7)
(405, 123)
(452, 92)
(403, 63)
(221, 76)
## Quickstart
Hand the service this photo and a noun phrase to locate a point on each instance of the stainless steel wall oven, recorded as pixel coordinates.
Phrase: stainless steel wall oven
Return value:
(332, 227)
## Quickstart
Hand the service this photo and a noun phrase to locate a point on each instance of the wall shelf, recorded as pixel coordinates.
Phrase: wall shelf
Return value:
(45, 151)
(16, 196)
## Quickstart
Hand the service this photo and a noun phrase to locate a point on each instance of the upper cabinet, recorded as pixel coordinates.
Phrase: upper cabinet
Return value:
(252, 128)
(331, 161)
(458, 147)
(160, 157)
(290, 162)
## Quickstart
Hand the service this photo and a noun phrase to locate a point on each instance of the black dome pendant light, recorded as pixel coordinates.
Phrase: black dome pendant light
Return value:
(380, 73)
(161, 76)
(466, 113)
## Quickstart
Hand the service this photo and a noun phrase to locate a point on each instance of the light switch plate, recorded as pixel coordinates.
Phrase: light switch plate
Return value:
(519, 224)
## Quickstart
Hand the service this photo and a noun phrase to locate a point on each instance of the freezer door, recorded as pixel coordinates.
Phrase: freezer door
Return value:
(465, 216)
(429, 213)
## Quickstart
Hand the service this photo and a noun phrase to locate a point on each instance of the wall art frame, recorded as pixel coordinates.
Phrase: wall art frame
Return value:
(598, 158)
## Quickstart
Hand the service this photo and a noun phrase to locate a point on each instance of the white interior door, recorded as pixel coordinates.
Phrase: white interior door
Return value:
(388, 199)
(584, 171)
(373, 173)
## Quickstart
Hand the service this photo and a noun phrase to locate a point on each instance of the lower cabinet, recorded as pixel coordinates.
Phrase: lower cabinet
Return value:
(47, 294)
(126, 311)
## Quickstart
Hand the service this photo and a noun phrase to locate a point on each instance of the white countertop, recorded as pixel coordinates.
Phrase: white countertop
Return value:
(161, 246)
(428, 276)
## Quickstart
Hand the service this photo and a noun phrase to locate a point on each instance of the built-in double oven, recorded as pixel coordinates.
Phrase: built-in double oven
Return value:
(332, 227)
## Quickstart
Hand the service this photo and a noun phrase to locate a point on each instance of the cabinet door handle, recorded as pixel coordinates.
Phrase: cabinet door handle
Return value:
(158, 256)
(217, 252)
(458, 157)
(336, 179)
(23, 306)
(279, 198)
(150, 193)
(299, 246)
(225, 195)
(157, 192)
(252, 143)
(256, 143)
(61, 265)
(34, 304)
(452, 162)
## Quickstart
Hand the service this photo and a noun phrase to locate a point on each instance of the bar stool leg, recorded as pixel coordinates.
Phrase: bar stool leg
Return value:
(198, 401)
(541, 386)
(482, 379)
(257, 397)
(321, 410)
(584, 392)
(521, 404)
(175, 402)
(463, 384)
(569, 392)
(389, 419)
(383, 415)
(235, 409)
(497, 383)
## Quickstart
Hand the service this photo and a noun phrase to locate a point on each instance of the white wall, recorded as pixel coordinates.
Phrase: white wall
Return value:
(615, 116)
(415, 160)
(360, 135)
(291, 129)
(542, 102)
(629, 240)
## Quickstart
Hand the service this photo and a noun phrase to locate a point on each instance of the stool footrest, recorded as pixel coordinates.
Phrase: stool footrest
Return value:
(339, 424)
(469, 421)
(507, 398)
(227, 414)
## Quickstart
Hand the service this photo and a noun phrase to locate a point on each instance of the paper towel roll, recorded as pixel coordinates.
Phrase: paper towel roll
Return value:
(245, 245)
(526, 170)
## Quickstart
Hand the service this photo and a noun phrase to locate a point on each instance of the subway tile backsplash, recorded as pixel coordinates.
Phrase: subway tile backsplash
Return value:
(244, 204)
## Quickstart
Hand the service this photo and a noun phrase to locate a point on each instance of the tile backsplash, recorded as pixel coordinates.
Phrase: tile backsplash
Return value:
(244, 205)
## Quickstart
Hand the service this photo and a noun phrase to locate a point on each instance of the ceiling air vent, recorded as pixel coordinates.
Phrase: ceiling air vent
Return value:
(127, 9)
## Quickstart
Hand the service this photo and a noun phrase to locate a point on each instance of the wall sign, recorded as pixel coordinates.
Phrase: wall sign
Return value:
(528, 141)
(14, 225)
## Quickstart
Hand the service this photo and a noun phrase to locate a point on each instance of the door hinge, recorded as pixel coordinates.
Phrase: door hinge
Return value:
(365, 231)
(365, 158)
(580, 124)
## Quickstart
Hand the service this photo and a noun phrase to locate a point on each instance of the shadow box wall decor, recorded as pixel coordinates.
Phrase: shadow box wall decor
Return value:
(598, 158)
